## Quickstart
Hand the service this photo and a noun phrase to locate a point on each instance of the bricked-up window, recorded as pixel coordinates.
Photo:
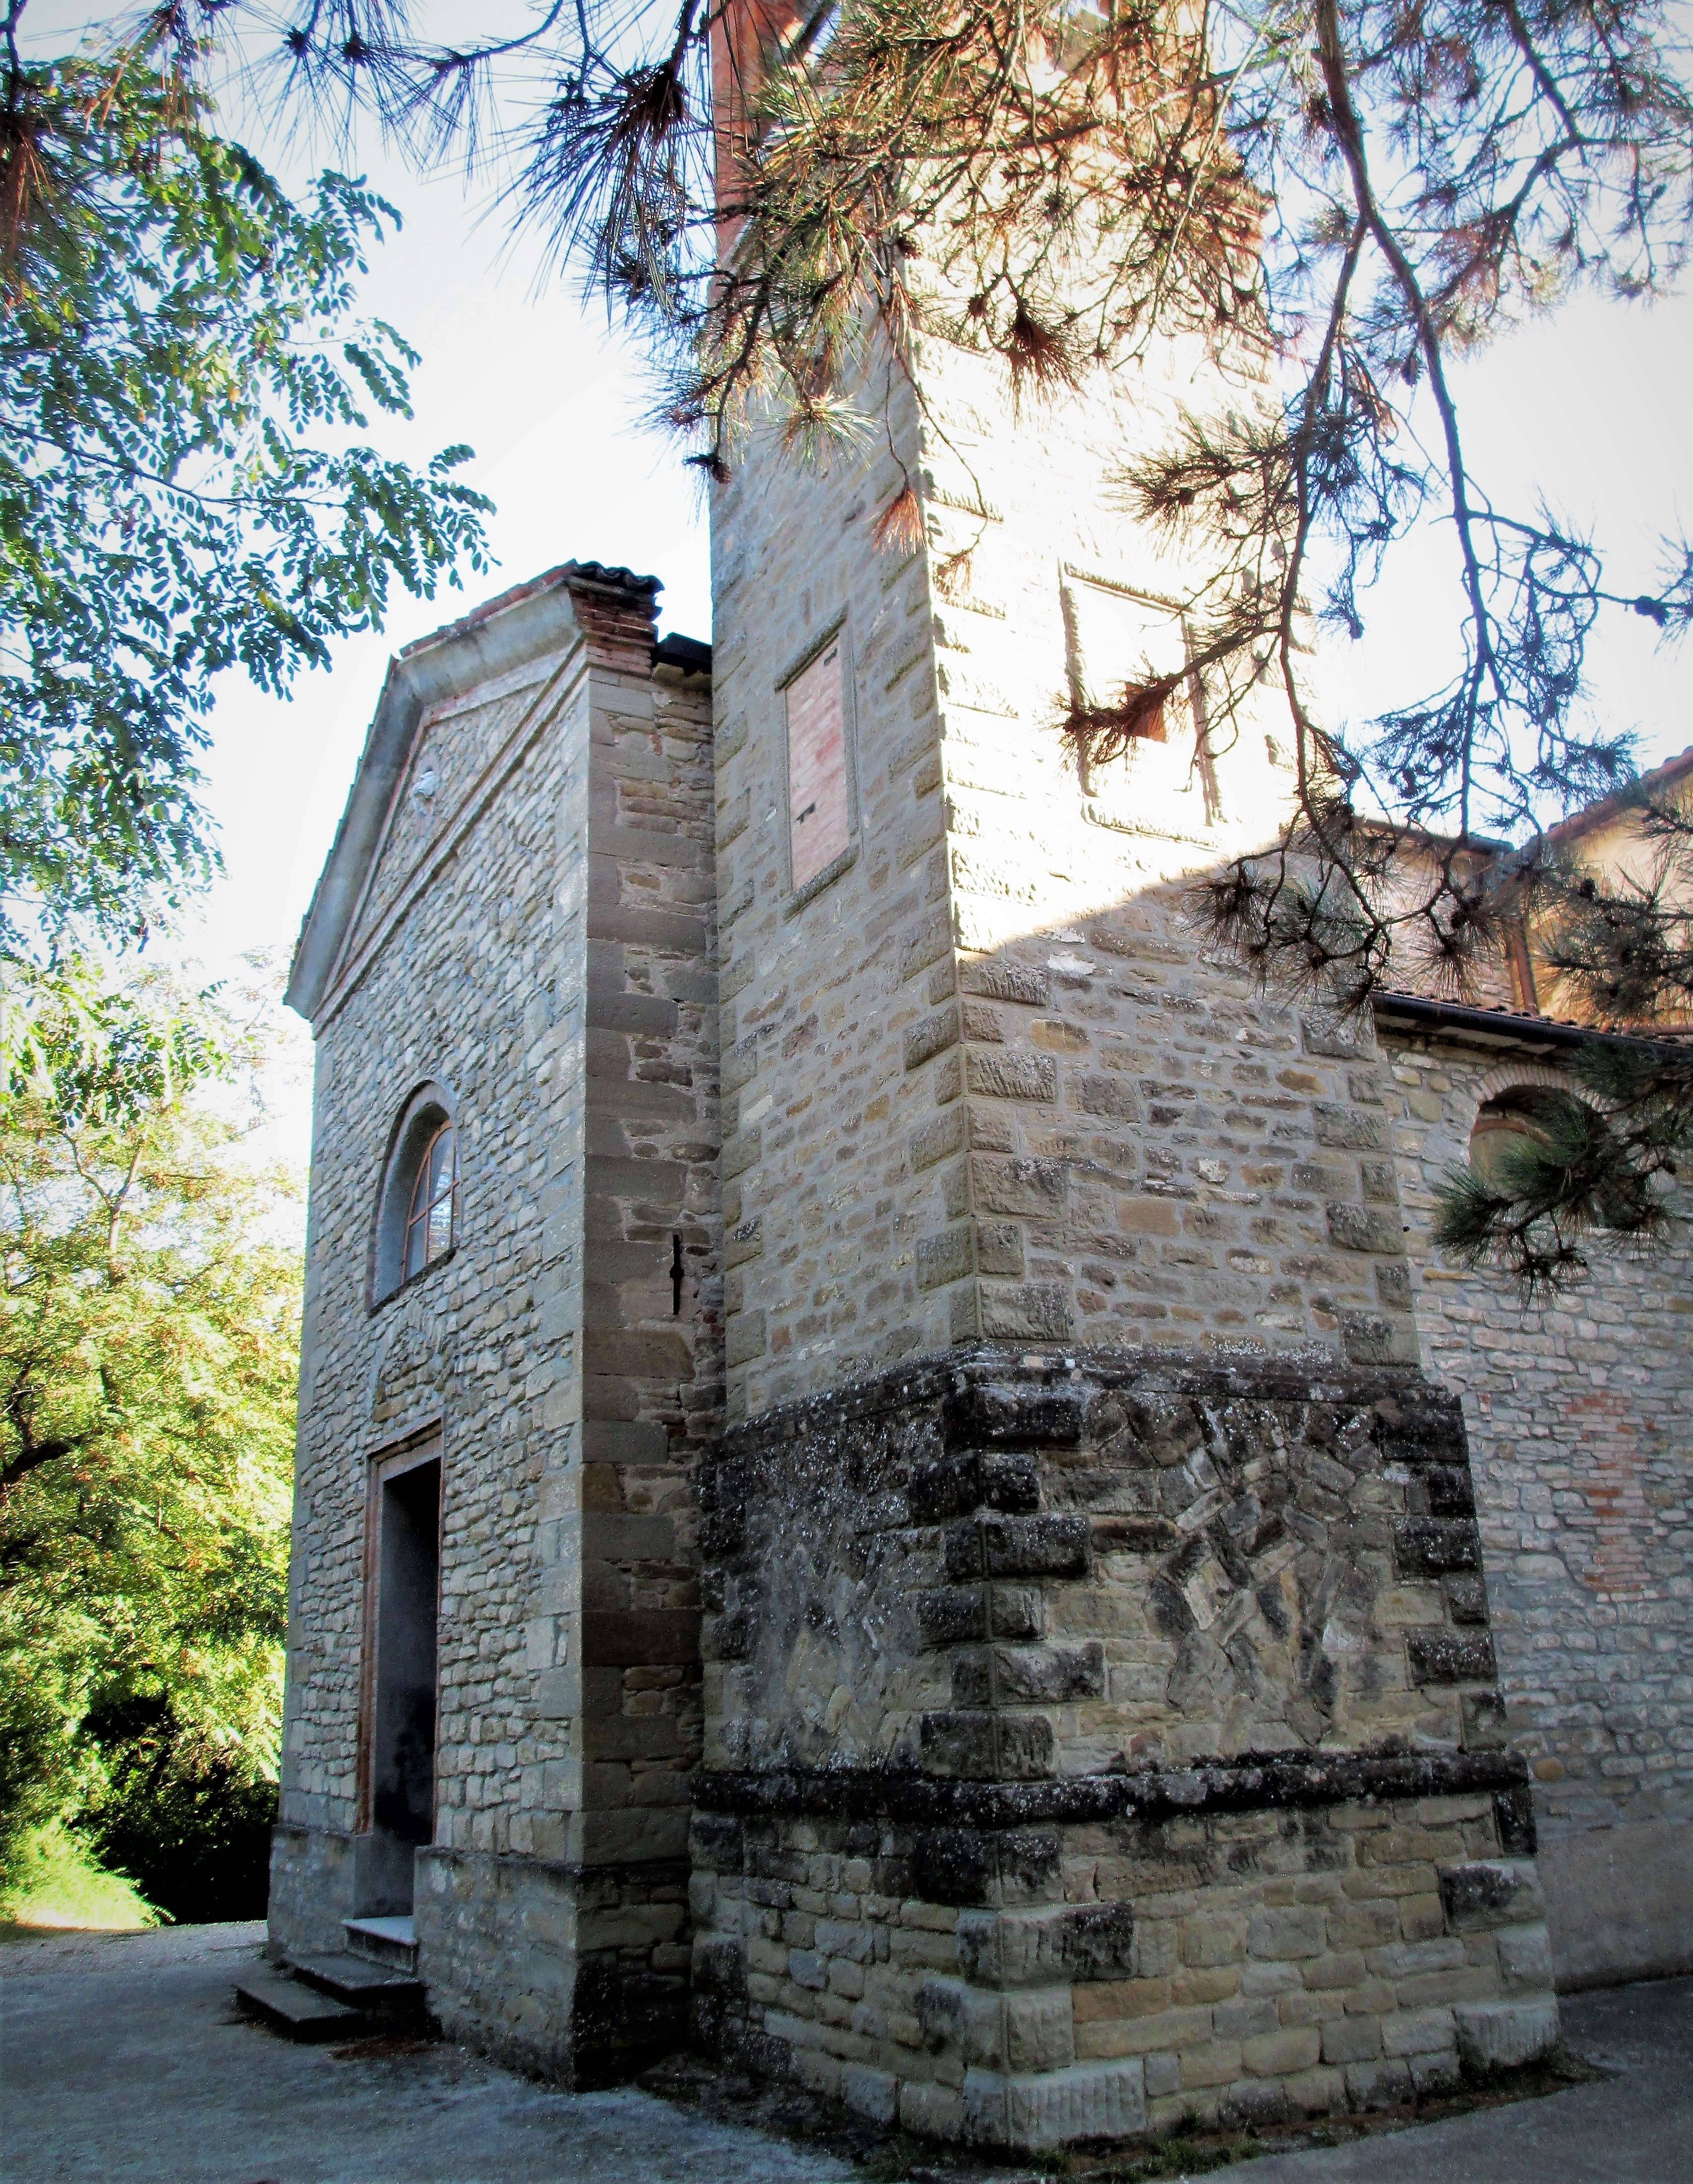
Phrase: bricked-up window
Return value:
(432, 1222)
(819, 780)
(1117, 639)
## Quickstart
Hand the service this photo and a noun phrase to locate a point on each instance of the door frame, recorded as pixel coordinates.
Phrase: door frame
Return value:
(423, 1445)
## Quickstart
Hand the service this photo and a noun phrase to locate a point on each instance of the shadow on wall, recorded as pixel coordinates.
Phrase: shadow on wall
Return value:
(1093, 1131)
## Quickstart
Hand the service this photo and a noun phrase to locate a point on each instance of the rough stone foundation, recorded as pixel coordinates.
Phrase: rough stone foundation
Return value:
(550, 1966)
(1094, 1740)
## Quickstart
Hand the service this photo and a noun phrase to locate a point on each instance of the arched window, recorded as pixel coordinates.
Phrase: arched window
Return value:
(1517, 1117)
(432, 1223)
(419, 1217)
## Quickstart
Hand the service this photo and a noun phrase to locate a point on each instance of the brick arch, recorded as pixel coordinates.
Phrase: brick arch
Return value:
(1510, 1077)
(1519, 1077)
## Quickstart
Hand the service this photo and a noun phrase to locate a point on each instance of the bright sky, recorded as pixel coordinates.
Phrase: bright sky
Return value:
(1590, 409)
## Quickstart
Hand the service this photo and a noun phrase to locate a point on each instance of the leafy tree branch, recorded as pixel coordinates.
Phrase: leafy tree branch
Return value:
(184, 488)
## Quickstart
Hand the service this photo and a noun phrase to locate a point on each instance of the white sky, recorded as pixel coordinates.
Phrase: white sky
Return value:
(1590, 410)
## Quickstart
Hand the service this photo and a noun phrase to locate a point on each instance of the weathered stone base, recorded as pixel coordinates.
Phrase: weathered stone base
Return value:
(1218, 1943)
(572, 1973)
(577, 1974)
(312, 1888)
(1099, 1739)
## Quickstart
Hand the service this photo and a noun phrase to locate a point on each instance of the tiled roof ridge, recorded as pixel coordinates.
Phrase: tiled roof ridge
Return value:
(1507, 1018)
(1610, 807)
(596, 573)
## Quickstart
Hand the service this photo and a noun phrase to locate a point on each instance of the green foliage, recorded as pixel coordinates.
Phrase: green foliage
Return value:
(54, 1880)
(177, 1815)
(1589, 1166)
(148, 1341)
(182, 485)
(37, 1756)
(1592, 1166)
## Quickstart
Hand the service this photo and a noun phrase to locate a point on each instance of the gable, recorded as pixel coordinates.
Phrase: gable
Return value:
(459, 707)
(462, 749)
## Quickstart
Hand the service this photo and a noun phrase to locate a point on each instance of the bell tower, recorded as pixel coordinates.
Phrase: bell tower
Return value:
(1095, 1663)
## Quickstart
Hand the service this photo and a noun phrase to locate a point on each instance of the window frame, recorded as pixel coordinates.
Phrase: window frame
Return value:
(430, 1110)
(424, 1214)
(798, 894)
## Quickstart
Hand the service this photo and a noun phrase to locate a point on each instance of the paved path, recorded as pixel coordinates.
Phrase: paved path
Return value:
(121, 2057)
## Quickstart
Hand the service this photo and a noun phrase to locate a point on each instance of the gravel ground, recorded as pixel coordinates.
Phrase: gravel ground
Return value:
(121, 2056)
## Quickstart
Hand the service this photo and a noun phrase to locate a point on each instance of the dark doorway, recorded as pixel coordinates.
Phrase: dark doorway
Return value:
(402, 1755)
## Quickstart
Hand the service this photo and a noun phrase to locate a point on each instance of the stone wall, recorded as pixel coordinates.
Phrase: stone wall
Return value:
(1101, 1738)
(817, 1107)
(1581, 1416)
(524, 919)
(490, 1009)
(1025, 1985)
(992, 1062)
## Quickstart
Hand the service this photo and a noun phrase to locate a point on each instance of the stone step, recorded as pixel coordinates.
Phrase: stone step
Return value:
(391, 1941)
(296, 2011)
(359, 1984)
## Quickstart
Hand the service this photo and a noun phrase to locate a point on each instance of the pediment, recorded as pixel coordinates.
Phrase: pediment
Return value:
(461, 748)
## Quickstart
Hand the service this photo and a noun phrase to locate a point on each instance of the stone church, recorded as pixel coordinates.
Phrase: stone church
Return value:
(887, 1478)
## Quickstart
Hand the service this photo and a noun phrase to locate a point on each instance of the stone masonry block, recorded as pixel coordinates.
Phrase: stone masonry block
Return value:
(1031, 2113)
(1498, 2035)
(1344, 1127)
(943, 1258)
(931, 2111)
(929, 1036)
(745, 1338)
(947, 1615)
(1427, 1546)
(1028, 1675)
(1012, 1948)
(1489, 1892)
(996, 980)
(1029, 1187)
(986, 1747)
(1011, 1073)
(871, 2092)
(1112, 1097)
(930, 941)
(1363, 1228)
(1450, 1656)
(1019, 1546)
(744, 1242)
(1014, 1414)
(1096, 1941)
(1525, 1959)
(937, 1138)
(1032, 1311)
(1293, 1932)
(1039, 2030)
(999, 1247)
